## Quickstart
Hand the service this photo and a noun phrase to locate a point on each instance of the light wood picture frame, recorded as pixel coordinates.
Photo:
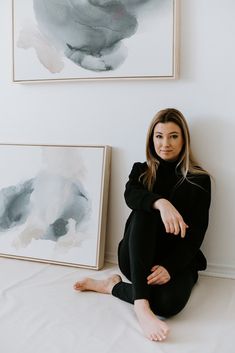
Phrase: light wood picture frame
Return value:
(61, 40)
(53, 203)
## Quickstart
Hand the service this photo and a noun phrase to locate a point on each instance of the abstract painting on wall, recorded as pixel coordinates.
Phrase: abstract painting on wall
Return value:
(53, 203)
(57, 40)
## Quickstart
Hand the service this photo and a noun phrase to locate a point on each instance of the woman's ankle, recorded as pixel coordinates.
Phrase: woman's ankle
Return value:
(141, 303)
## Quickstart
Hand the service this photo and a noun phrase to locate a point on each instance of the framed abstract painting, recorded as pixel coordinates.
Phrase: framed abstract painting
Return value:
(53, 203)
(60, 40)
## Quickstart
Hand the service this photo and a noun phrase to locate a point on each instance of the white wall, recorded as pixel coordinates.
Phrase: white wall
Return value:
(118, 113)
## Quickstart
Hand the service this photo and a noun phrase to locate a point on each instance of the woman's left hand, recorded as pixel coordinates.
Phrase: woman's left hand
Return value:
(159, 275)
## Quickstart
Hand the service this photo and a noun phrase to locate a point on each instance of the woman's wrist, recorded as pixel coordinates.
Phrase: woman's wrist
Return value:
(157, 204)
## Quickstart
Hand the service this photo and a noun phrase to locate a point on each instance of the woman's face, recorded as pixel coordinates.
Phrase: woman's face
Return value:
(168, 141)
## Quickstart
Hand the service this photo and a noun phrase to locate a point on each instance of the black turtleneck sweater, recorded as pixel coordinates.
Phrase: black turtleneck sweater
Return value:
(191, 198)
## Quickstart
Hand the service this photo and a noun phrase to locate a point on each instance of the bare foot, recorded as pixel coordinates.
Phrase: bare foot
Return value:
(101, 286)
(153, 328)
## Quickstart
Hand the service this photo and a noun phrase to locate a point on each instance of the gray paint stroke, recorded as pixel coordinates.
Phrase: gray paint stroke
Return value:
(90, 33)
(17, 207)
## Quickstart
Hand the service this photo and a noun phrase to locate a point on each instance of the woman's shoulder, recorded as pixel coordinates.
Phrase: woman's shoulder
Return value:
(138, 168)
(201, 174)
(202, 179)
(142, 166)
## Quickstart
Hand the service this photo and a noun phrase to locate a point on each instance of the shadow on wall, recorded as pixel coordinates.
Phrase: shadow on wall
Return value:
(213, 144)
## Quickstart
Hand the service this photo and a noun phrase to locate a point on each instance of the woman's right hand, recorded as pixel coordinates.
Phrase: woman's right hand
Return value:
(171, 218)
(159, 275)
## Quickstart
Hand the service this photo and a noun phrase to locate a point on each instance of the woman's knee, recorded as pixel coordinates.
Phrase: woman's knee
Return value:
(141, 215)
(146, 221)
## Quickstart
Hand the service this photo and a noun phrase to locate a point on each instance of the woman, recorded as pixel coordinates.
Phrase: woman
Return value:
(160, 252)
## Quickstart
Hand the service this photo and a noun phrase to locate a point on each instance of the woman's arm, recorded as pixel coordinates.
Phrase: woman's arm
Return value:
(136, 195)
(171, 218)
(195, 209)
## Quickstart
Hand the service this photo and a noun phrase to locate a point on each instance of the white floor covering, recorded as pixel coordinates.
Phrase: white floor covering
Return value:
(41, 313)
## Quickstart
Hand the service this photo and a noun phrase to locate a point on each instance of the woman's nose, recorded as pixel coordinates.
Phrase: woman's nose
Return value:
(166, 142)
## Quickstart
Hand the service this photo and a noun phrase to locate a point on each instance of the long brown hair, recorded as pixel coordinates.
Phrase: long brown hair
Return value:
(187, 163)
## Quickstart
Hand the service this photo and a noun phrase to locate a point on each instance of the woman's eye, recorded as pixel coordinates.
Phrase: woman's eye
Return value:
(174, 136)
(158, 136)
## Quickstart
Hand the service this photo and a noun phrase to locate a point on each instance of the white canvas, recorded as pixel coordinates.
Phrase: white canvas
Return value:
(51, 202)
(84, 39)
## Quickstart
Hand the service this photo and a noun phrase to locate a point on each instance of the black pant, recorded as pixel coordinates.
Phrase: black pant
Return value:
(139, 250)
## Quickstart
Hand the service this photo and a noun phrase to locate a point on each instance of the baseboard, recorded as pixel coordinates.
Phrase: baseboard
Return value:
(111, 258)
(214, 270)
